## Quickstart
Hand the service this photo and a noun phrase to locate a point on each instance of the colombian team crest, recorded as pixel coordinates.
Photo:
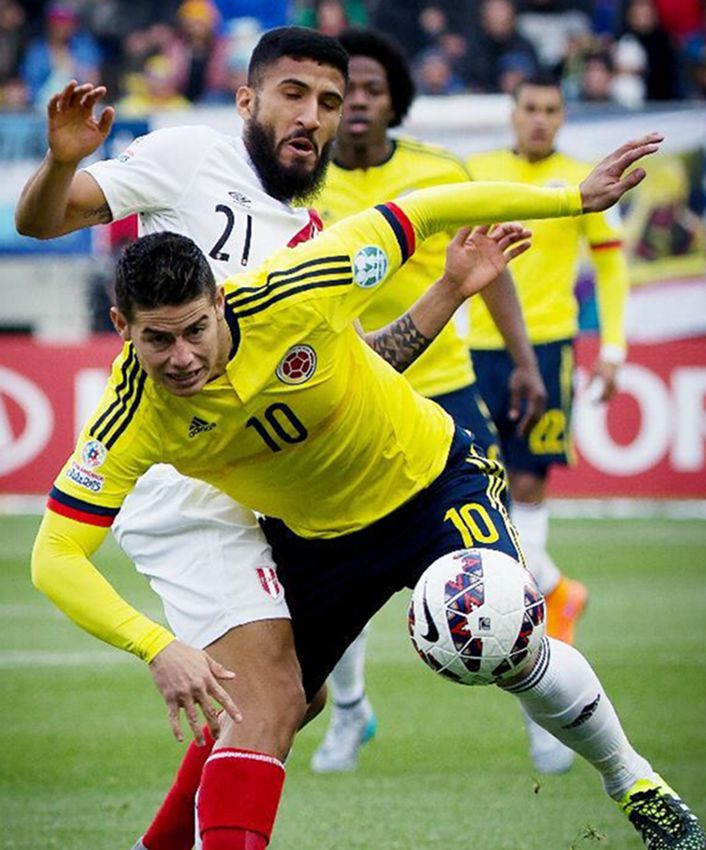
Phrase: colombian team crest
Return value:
(270, 582)
(93, 454)
(297, 365)
(369, 266)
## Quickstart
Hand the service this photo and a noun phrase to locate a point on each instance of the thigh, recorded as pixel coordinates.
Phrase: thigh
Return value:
(203, 554)
(267, 688)
(549, 442)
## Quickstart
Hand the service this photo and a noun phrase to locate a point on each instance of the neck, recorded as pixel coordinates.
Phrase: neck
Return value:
(530, 156)
(225, 344)
(354, 154)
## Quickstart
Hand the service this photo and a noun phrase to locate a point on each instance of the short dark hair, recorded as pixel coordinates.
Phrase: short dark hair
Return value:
(161, 269)
(298, 43)
(390, 54)
(543, 79)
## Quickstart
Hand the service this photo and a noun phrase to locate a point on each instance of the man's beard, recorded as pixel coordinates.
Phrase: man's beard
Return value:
(285, 183)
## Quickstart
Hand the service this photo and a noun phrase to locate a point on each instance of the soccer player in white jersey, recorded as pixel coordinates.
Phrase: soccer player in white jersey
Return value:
(232, 196)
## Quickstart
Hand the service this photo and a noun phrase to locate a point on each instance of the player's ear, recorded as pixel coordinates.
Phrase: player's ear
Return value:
(245, 99)
(219, 302)
(120, 323)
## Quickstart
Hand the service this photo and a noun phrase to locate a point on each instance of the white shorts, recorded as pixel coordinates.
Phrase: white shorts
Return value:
(204, 555)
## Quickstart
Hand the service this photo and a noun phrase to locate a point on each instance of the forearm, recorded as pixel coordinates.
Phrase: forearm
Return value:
(504, 307)
(612, 286)
(44, 200)
(461, 204)
(61, 569)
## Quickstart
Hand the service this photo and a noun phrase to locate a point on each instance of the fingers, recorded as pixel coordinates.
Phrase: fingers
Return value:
(74, 96)
(173, 714)
(631, 156)
(106, 120)
(516, 250)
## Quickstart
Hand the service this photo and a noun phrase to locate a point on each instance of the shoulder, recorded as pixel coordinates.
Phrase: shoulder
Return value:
(177, 140)
(573, 169)
(431, 158)
(487, 162)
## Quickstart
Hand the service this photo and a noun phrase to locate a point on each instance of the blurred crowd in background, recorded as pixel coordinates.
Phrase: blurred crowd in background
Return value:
(167, 54)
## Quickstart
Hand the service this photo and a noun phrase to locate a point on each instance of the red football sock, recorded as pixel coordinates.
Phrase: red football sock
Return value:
(238, 799)
(173, 827)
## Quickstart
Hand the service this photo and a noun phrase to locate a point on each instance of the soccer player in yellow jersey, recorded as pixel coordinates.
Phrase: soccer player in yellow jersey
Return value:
(545, 280)
(262, 388)
(369, 166)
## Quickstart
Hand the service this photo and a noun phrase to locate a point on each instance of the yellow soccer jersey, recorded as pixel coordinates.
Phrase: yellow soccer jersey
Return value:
(445, 365)
(307, 423)
(546, 274)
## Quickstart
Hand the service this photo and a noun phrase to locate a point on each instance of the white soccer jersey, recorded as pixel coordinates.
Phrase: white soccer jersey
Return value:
(203, 554)
(201, 183)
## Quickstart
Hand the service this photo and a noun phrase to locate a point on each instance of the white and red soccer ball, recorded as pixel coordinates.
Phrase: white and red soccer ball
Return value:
(476, 616)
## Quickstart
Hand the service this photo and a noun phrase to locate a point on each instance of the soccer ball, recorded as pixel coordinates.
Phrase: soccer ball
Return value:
(476, 616)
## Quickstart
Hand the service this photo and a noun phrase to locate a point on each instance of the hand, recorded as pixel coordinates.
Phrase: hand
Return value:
(603, 384)
(474, 258)
(186, 677)
(526, 385)
(74, 132)
(605, 184)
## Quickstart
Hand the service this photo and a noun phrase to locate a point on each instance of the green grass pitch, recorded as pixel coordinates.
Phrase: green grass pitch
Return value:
(86, 753)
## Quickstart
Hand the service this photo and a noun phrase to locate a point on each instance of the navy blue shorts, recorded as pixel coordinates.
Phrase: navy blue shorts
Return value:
(333, 587)
(549, 442)
(469, 411)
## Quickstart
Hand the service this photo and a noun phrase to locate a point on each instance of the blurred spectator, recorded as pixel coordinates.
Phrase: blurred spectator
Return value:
(401, 18)
(597, 78)
(63, 53)
(695, 65)
(497, 37)
(156, 89)
(433, 74)
(331, 17)
(681, 18)
(13, 38)
(642, 23)
(268, 13)
(14, 96)
(549, 25)
(200, 53)
(630, 65)
(514, 69)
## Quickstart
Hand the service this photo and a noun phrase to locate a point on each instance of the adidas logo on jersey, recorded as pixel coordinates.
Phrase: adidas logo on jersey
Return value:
(198, 426)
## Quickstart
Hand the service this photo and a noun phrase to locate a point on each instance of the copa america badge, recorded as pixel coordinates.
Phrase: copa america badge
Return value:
(93, 454)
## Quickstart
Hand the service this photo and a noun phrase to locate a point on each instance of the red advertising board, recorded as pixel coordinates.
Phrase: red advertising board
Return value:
(649, 442)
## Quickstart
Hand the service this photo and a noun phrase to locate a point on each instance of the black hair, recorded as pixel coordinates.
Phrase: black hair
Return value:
(543, 79)
(298, 43)
(161, 269)
(390, 54)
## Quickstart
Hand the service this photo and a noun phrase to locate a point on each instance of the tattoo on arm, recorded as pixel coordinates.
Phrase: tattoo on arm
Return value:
(399, 343)
(102, 213)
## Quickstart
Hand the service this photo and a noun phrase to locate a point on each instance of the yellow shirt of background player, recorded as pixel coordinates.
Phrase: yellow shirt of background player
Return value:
(444, 366)
(546, 274)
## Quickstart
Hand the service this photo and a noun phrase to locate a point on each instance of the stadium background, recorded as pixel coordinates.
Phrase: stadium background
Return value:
(85, 753)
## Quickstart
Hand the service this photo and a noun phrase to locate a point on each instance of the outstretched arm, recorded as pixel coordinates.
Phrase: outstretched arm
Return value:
(437, 208)
(473, 260)
(62, 569)
(56, 199)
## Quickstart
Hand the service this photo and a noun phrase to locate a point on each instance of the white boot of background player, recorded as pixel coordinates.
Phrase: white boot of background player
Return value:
(353, 721)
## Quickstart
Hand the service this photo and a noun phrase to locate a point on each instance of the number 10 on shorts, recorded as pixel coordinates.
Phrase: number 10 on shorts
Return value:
(473, 523)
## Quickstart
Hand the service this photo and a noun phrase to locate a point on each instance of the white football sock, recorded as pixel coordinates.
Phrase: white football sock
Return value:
(532, 523)
(563, 694)
(347, 680)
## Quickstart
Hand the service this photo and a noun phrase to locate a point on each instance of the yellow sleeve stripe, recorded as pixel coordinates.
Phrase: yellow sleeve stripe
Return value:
(119, 413)
(314, 274)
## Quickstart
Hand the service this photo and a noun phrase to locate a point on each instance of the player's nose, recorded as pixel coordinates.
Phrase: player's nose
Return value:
(181, 355)
(309, 115)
